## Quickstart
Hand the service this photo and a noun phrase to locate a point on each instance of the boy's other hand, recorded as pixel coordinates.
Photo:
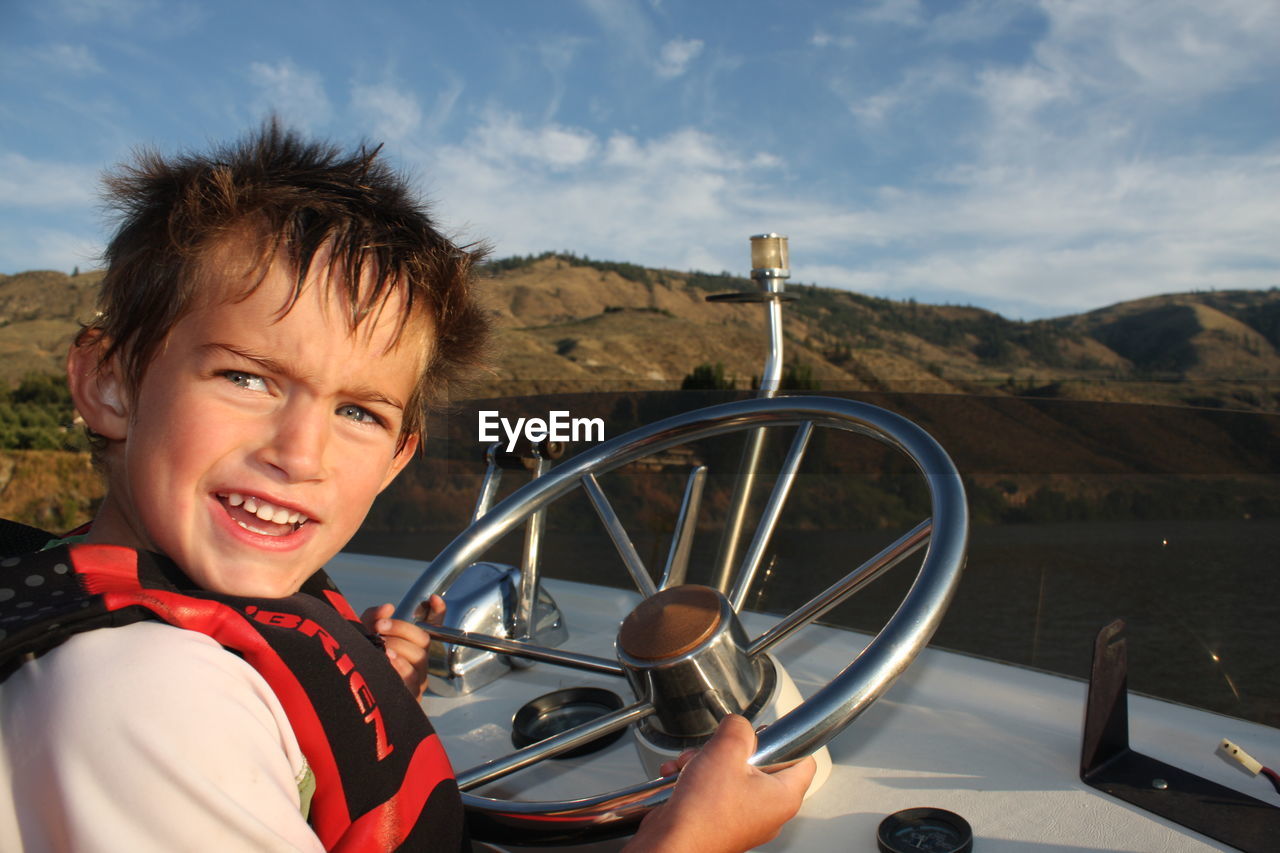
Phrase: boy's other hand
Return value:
(721, 803)
(406, 643)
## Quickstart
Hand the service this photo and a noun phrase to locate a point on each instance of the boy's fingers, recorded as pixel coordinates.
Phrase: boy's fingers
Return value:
(409, 662)
(405, 650)
(675, 765)
(371, 615)
(797, 776)
(413, 678)
(431, 611)
(436, 606)
(734, 740)
(406, 631)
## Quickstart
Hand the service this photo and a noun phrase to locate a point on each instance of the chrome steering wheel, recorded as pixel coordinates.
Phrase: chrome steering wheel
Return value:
(798, 733)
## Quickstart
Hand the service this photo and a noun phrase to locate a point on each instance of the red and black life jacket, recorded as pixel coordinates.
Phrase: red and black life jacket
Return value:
(383, 781)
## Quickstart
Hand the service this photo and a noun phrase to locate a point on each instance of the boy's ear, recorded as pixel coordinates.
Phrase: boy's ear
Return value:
(400, 460)
(96, 388)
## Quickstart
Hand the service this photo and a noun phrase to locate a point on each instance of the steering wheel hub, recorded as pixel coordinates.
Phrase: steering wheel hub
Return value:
(684, 650)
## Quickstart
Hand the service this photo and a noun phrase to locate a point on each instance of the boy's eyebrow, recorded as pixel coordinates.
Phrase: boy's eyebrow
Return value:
(363, 393)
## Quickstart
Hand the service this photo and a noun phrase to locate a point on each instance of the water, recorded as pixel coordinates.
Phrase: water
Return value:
(1084, 513)
(1198, 597)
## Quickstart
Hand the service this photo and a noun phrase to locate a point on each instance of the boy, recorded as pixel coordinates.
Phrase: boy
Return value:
(275, 317)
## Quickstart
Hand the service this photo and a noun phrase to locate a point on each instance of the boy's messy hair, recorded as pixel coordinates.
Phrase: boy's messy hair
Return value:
(309, 202)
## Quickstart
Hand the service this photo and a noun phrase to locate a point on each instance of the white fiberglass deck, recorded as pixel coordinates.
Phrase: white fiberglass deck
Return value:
(997, 744)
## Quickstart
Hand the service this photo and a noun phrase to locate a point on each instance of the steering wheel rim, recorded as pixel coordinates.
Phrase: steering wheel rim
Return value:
(824, 714)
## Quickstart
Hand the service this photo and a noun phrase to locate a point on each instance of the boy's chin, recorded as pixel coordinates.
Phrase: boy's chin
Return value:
(254, 573)
(251, 584)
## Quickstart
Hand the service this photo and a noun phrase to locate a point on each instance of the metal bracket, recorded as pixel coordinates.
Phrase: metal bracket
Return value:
(1108, 764)
(481, 601)
(753, 296)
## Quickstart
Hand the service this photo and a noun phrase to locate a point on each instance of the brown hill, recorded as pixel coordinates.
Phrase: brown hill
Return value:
(1183, 334)
(571, 324)
(39, 313)
(52, 490)
(566, 324)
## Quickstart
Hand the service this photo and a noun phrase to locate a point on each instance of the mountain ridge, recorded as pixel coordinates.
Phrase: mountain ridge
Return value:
(569, 323)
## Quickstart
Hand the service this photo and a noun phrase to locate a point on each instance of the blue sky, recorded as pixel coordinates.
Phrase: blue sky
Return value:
(1034, 158)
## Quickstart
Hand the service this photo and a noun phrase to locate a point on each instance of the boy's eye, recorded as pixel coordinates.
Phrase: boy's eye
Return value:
(356, 413)
(245, 380)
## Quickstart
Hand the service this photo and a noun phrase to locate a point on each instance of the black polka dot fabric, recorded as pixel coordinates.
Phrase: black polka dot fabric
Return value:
(17, 538)
(41, 597)
(44, 600)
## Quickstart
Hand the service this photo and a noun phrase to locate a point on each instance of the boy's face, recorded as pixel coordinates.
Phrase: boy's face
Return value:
(257, 441)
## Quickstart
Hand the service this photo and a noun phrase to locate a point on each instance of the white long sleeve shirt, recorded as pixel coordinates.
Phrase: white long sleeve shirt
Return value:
(147, 738)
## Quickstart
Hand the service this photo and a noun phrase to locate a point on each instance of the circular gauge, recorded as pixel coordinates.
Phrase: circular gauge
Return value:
(925, 830)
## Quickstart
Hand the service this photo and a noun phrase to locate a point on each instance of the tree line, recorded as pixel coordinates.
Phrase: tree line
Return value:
(38, 414)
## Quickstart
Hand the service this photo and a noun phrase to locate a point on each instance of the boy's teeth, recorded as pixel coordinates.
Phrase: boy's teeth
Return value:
(264, 510)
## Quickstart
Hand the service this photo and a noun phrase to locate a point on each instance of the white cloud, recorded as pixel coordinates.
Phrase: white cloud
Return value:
(634, 38)
(297, 95)
(906, 13)
(676, 55)
(917, 87)
(1068, 191)
(682, 151)
(977, 20)
(1178, 49)
(503, 141)
(161, 18)
(625, 21)
(847, 25)
(27, 183)
(27, 247)
(824, 38)
(93, 11)
(662, 201)
(69, 58)
(392, 113)
(1029, 238)
(446, 98)
(1085, 235)
(557, 55)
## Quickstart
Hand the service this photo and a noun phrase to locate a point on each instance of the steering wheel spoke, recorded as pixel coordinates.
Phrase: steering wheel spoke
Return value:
(558, 744)
(523, 649)
(618, 535)
(904, 546)
(677, 567)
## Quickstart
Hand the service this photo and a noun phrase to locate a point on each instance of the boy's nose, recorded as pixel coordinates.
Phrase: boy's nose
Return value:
(298, 443)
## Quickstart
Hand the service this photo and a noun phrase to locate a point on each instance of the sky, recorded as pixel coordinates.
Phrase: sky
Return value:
(1033, 157)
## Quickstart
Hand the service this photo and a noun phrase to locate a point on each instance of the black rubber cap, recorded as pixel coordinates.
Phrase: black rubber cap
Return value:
(924, 830)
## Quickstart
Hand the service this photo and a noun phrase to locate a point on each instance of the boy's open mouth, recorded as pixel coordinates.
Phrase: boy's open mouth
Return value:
(258, 516)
